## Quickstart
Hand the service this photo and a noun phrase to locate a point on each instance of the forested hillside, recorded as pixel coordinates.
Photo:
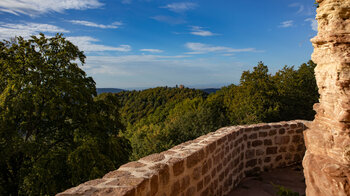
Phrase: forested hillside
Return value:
(139, 104)
(162, 117)
(56, 132)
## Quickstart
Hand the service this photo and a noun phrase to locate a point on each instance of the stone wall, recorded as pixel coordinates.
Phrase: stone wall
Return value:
(327, 160)
(212, 164)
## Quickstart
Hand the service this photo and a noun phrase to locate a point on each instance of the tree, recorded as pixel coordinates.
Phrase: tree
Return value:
(54, 132)
(297, 91)
(255, 99)
(184, 121)
(191, 119)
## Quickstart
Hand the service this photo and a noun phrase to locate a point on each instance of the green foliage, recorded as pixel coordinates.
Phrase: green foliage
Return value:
(139, 104)
(147, 138)
(185, 121)
(146, 113)
(253, 100)
(54, 128)
(191, 119)
(262, 97)
(283, 191)
(317, 5)
(53, 133)
(297, 92)
(160, 118)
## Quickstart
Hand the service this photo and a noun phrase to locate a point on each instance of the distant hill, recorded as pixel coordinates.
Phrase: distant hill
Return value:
(210, 90)
(109, 90)
(160, 100)
(117, 90)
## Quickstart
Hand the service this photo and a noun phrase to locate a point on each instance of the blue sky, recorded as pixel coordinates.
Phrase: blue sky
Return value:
(148, 43)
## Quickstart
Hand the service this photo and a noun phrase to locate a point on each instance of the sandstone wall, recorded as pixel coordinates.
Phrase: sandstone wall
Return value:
(327, 160)
(212, 164)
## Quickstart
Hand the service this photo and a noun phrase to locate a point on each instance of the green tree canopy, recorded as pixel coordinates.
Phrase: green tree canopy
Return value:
(297, 92)
(53, 133)
(262, 97)
(255, 99)
(139, 104)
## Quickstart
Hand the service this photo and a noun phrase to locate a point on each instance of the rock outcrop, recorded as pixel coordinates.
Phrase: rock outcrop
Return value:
(327, 159)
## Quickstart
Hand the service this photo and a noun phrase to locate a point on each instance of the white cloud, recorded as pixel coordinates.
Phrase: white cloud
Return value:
(286, 24)
(152, 50)
(313, 23)
(168, 19)
(299, 6)
(36, 7)
(86, 43)
(200, 48)
(10, 30)
(114, 25)
(228, 54)
(180, 6)
(196, 30)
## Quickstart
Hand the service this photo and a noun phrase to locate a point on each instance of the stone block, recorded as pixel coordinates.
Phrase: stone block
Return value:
(175, 189)
(272, 132)
(279, 140)
(153, 158)
(267, 142)
(191, 191)
(253, 136)
(250, 154)
(185, 182)
(178, 165)
(282, 131)
(271, 150)
(251, 163)
(199, 186)
(296, 138)
(196, 173)
(195, 158)
(257, 143)
(262, 134)
(154, 184)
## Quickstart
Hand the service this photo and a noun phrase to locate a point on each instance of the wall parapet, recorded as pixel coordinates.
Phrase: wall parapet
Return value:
(212, 164)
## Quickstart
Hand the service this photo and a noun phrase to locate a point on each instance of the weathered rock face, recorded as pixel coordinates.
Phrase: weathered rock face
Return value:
(327, 160)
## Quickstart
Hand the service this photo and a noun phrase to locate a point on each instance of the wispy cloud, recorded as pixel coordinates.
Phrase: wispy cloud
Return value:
(169, 19)
(180, 6)
(87, 44)
(200, 48)
(156, 70)
(313, 23)
(10, 30)
(196, 30)
(110, 63)
(114, 25)
(152, 50)
(299, 6)
(286, 24)
(36, 7)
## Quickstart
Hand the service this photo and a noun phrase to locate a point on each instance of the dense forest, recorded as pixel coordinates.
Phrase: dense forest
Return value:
(159, 118)
(56, 132)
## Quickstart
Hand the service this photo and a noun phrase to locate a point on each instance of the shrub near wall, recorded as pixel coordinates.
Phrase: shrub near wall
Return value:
(212, 164)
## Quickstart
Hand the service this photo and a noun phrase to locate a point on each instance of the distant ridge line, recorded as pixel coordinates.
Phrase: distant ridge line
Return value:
(117, 90)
